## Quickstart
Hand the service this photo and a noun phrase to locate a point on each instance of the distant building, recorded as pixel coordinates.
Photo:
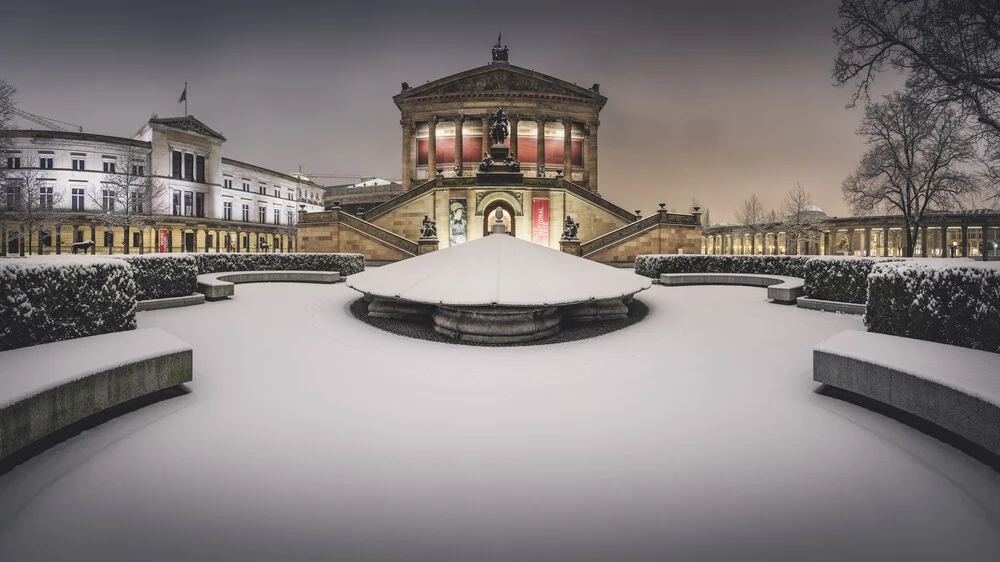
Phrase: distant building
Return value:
(971, 233)
(208, 203)
(367, 193)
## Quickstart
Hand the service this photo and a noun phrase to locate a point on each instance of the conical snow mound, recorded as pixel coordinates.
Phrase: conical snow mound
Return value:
(498, 270)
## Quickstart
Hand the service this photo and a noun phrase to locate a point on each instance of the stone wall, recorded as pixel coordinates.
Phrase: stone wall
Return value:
(406, 220)
(663, 239)
(338, 238)
(594, 221)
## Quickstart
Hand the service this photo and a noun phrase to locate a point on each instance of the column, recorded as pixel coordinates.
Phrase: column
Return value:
(965, 241)
(944, 241)
(432, 147)
(592, 155)
(885, 241)
(540, 159)
(568, 149)
(459, 122)
(93, 237)
(514, 119)
(407, 152)
(59, 239)
(923, 242)
(868, 241)
(850, 239)
(486, 134)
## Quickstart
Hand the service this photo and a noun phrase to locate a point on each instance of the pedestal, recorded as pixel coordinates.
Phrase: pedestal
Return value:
(426, 245)
(499, 152)
(570, 246)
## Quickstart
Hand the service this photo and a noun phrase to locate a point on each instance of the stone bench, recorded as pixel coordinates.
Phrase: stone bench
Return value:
(781, 290)
(221, 285)
(954, 388)
(170, 302)
(47, 387)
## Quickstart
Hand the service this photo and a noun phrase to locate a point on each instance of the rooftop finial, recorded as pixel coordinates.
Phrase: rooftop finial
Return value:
(500, 53)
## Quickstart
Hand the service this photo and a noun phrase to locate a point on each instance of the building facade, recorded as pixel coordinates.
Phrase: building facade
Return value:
(446, 127)
(200, 200)
(553, 123)
(974, 234)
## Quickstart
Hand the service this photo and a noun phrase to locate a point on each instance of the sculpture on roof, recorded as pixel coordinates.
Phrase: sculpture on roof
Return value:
(500, 54)
(499, 126)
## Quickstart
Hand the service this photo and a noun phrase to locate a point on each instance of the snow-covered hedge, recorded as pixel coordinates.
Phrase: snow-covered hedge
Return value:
(839, 279)
(159, 276)
(346, 264)
(956, 305)
(44, 299)
(654, 265)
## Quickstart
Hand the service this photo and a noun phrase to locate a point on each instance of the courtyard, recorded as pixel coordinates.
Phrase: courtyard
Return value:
(308, 435)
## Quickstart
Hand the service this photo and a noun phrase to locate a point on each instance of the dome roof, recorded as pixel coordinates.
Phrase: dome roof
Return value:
(814, 209)
(501, 270)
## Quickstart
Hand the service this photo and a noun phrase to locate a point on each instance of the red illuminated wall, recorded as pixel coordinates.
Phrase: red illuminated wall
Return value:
(528, 151)
(472, 150)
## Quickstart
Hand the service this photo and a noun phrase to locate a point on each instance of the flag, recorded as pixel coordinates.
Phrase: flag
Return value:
(184, 94)
(499, 37)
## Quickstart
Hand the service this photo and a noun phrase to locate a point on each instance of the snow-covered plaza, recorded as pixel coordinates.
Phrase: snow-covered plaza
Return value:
(309, 435)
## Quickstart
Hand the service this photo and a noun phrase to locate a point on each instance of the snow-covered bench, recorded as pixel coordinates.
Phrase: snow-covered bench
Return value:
(47, 387)
(954, 388)
(780, 289)
(220, 285)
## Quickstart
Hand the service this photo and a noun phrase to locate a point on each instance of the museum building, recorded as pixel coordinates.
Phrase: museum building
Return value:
(541, 170)
(205, 202)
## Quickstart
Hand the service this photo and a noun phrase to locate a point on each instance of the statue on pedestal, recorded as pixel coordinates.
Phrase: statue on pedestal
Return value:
(499, 225)
(569, 232)
(500, 54)
(428, 228)
(499, 127)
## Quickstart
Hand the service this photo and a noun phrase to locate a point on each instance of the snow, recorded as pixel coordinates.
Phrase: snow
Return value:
(970, 371)
(28, 371)
(694, 434)
(501, 270)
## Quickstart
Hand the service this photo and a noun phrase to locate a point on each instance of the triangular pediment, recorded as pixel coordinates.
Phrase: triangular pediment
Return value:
(188, 123)
(500, 79)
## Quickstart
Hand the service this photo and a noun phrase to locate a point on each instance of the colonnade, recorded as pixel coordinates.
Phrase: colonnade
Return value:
(541, 168)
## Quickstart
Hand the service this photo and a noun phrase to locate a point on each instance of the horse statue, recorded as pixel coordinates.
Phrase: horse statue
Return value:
(85, 246)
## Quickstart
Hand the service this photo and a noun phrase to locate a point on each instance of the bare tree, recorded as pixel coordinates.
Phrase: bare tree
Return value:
(129, 196)
(752, 216)
(289, 229)
(30, 203)
(949, 50)
(6, 118)
(917, 161)
(706, 220)
(799, 218)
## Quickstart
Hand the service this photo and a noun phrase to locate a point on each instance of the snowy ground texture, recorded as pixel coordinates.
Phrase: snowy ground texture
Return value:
(693, 435)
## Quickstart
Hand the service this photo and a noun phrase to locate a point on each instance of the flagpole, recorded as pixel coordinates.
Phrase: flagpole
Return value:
(185, 99)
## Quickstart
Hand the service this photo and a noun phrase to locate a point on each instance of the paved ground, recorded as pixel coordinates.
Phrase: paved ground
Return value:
(308, 435)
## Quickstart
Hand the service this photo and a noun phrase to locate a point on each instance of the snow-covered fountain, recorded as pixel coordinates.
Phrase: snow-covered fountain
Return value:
(498, 289)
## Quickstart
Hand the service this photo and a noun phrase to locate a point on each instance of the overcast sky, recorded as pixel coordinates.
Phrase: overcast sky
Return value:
(714, 99)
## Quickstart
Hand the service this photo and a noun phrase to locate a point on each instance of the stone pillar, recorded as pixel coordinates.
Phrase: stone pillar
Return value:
(426, 245)
(568, 149)
(514, 119)
(218, 234)
(868, 242)
(407, 153)
(885, 241)
(486, 134)
(58, 239)
(93, 236)
(431, 147)
(591, 164)
(965, 241)
(850, 239)
(923, 242)
(571, 247)
(459, 156)
(540, 158)
(944, 241)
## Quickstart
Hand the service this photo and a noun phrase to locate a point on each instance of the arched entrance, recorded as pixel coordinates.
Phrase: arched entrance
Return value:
(508, 215)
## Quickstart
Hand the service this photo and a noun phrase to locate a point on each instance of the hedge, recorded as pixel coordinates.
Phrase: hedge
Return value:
(159, 276)
(839, 279)
(654, 265)
(955, 305)
(45, 300)
(346, 264)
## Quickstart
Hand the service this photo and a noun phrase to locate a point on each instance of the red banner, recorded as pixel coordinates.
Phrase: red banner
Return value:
(163, 242)
(540, 221)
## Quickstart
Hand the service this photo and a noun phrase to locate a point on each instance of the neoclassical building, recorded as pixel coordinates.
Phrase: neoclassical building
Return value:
(205, 201)
(553, 123)
(446, 129)
(972, 233)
